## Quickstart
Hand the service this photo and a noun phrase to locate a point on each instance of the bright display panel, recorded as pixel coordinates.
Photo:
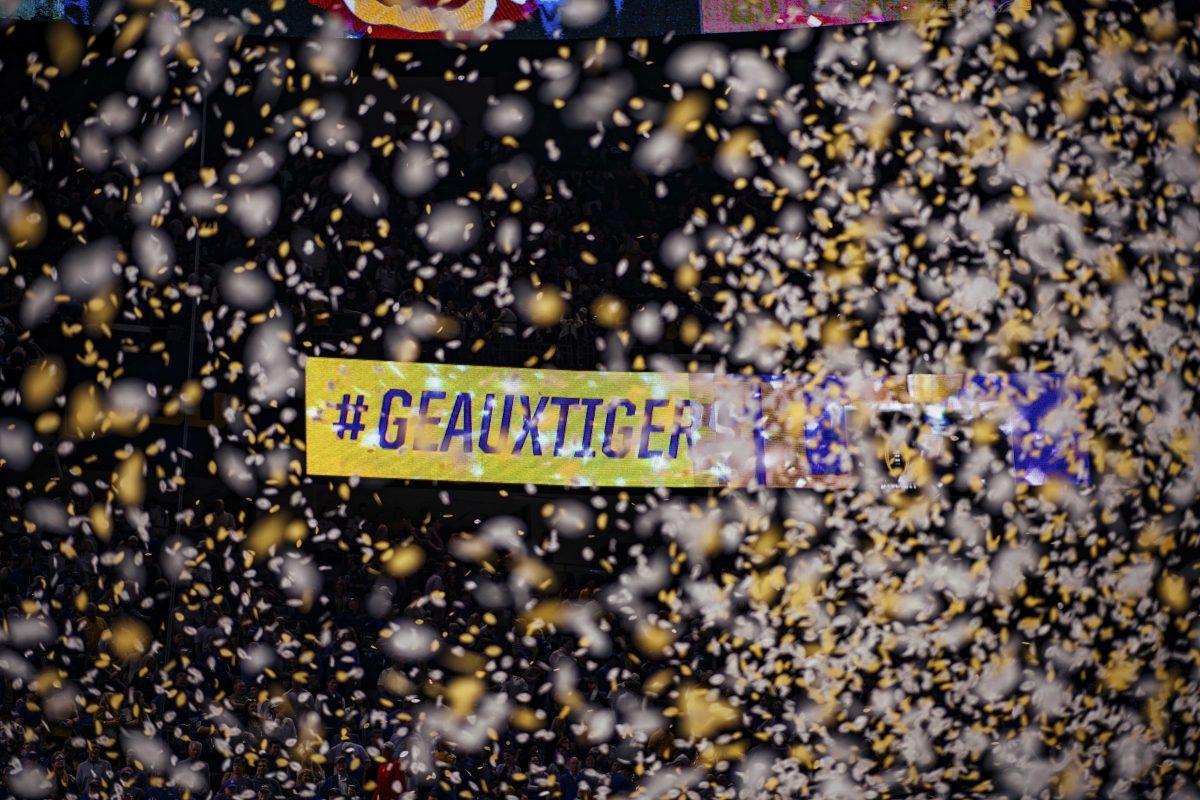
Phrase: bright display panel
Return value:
(440, 422)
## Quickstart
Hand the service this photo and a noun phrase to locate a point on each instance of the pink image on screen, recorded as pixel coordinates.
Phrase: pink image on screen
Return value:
(732, 16)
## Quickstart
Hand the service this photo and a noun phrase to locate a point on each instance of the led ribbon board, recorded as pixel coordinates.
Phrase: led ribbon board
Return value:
(379, 419)
(548, 20)
(545, 19)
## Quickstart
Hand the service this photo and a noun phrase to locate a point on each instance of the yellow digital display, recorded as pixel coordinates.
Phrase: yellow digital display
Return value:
(459, 423)
(438, 422)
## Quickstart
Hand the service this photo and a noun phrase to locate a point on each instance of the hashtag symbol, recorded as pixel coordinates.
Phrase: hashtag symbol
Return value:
(350, 417)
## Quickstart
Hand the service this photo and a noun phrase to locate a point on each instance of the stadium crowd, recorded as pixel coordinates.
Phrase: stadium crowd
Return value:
(265, 694)
(281, 699)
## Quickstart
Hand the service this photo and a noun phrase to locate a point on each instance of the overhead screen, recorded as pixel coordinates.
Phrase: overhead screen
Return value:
(438, 422)
(519, 19)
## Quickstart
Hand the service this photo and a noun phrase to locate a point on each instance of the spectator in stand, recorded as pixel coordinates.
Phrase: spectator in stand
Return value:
(192, 774)
(389, 775)
(622, 781)
(276, 725)
(93, 770)
(341, 784)
(61, 782)
(264, 782)
(570, 779)
(237, 776)
(221, 517)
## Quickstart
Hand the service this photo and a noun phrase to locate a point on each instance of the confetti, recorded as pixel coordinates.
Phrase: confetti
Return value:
(190, 214)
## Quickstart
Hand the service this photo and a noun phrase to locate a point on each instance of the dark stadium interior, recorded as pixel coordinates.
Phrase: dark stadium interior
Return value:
(269, 676)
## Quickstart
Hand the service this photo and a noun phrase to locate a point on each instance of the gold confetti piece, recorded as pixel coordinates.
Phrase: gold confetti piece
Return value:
(1173, 590)
(66, 46)
(272, 531)
(129, 480)
(463, 694)
(42, 381)
(653, 640)
(130, 33)
(687, 277)
(403, 560)
(130, 638)
(84, 413)
(686, 115)
(47, 423)
(544, 306)
(26, 223)
(1120, 672)
(703, 712)
(610, 311)
(101, 522)
(527, 719)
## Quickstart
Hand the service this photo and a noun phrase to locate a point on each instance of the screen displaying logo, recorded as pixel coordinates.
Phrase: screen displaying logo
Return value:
(559, 427)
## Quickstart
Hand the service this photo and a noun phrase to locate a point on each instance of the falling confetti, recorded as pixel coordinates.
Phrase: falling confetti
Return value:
(193, 204)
